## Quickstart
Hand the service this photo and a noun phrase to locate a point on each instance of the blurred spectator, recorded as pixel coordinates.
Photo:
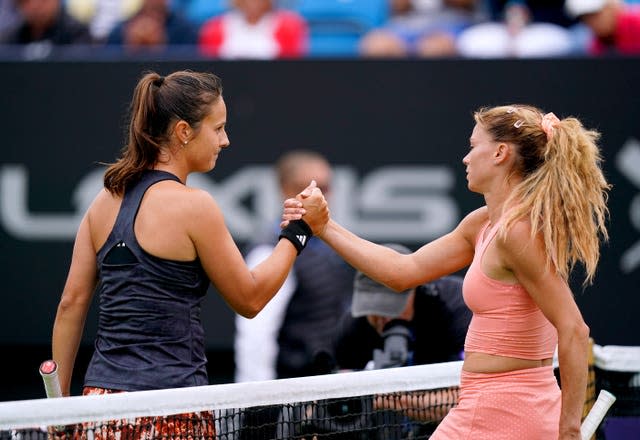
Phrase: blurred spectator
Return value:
(520, 29)
(9, 18)
(541, 11)
(293, 335)
(384, 328)
(46, 21)
(421, 28)
(255, 29)
(199, 11)
(102, 15)
(388, 329)
(615, 25)
(154, 26)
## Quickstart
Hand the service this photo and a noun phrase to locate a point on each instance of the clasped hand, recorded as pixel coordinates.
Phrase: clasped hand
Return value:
(310, 206)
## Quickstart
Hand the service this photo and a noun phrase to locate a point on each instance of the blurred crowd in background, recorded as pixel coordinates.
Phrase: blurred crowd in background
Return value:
(285, 29)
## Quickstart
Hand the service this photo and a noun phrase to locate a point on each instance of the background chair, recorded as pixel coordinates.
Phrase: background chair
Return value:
(336, 26)
(199, 11)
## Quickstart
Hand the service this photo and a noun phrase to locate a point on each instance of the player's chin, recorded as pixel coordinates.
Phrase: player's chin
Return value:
(470, 184)
(212, 163)
(474, 189)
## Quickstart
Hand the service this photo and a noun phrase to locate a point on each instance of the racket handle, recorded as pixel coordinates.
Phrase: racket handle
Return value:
(49, 373)
(596, 414)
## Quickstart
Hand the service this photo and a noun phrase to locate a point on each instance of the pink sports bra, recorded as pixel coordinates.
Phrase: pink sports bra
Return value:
(506, 321)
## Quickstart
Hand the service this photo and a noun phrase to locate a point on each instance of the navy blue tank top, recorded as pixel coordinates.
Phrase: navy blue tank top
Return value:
(150, 335)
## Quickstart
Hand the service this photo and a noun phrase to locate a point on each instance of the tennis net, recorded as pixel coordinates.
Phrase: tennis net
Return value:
(393, 403)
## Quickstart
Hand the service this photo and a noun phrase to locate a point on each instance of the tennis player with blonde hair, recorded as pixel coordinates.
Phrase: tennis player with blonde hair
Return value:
(545, 212)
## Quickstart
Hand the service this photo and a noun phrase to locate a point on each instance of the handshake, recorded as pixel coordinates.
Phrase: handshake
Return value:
(304, 216)
(310, 206)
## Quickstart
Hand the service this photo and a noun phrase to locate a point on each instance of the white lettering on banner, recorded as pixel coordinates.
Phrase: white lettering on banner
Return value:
(628, 163)
(399, 203)
(22, 224)
(254, 185)
(402, 203)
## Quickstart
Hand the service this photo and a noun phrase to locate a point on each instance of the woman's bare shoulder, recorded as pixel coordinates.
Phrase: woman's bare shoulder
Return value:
(477, 216)
(518, 233)
(175, 194)
(104, 205)
(101, 216)
(472, 223)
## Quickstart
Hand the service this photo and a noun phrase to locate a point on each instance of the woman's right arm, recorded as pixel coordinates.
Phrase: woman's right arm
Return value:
(246, 291)
(443, 256)
(74, 305)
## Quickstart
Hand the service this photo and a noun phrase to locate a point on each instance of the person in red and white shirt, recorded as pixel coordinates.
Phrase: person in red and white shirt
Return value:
(255, 29)
(615, 25)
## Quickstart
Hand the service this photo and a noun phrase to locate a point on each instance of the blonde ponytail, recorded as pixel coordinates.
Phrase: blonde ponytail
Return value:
(563, 191)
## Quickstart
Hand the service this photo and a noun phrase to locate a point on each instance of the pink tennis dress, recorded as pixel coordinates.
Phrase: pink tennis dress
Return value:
(515, 405)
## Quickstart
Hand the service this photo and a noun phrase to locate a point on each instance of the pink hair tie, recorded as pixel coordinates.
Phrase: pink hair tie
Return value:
(548, 122)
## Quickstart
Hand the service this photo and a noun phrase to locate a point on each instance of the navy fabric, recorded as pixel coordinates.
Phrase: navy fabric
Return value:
(150, 335)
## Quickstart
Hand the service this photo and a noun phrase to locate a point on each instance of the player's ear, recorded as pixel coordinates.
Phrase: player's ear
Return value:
(502, 152)
(183, 132)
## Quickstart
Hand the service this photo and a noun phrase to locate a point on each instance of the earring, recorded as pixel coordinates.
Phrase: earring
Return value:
(185, 142)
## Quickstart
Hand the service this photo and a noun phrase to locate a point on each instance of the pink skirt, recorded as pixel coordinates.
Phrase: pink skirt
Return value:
(516, 405)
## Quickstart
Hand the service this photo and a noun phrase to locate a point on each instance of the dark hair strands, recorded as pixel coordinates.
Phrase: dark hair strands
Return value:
(157, 103)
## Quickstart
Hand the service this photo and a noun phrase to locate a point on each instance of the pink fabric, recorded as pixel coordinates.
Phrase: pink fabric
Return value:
(549, 121)
(506, 321)
(517, 405)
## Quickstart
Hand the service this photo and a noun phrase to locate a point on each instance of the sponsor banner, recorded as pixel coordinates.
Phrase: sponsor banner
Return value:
(396, 133)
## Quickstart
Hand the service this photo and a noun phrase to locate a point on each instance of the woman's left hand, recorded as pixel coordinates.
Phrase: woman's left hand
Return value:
(292, 210)
(311, 206)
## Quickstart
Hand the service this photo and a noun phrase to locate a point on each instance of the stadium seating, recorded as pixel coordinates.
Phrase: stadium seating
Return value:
(199, 11)
(337, 25)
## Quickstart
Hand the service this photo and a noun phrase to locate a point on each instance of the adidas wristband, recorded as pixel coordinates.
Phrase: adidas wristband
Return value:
(297, 232)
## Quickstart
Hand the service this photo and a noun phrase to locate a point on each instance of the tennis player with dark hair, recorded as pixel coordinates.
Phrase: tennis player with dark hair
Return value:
(152, 246)
(545, 212)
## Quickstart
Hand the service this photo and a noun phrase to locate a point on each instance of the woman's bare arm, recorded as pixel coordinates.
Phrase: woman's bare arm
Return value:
(526, 258)
(74, 305)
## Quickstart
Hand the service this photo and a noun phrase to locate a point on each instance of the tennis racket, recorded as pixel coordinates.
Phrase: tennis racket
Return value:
(596, 414)
(49, 373)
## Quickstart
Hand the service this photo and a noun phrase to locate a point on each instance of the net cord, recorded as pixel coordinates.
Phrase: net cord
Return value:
(24, 414)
